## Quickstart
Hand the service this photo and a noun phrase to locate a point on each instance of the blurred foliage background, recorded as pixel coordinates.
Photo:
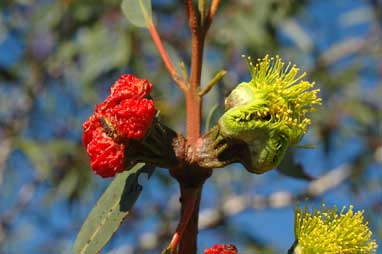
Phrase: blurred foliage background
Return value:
(59, 58)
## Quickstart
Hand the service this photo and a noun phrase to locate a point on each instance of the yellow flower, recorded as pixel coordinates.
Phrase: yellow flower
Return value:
(269, 112)
(331, 232)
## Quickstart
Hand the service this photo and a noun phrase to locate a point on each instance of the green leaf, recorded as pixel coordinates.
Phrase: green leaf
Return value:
(102, 49)
(110, 210)
(174, 56)
(35, 152)
(138, 12)
(44, 156)
(210, 117)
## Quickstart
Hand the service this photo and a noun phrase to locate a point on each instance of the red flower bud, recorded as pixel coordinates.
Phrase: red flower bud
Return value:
(89, 126)
(222, 249)
(130, 87)
(106, 155)
(125, 114)
(130, 118)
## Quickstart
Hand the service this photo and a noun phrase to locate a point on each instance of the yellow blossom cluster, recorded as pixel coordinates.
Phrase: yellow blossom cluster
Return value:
(331, 232)
(290, 98)
(269, 112)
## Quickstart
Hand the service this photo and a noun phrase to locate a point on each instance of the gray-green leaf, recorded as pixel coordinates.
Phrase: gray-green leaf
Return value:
(138, 12)
(110, 210)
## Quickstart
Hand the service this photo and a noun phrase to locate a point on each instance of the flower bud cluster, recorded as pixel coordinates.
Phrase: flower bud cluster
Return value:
(126, 114)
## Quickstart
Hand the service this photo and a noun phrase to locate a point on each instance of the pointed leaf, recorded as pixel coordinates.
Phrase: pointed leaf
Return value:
(138, 12)
(110, 210)
(44, 155)
(35, 153)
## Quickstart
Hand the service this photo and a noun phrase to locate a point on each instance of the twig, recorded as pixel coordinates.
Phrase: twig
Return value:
(193, 101)
(190, 206)
(192, 17)
(166, 59)
(211, 13)
(213, 82)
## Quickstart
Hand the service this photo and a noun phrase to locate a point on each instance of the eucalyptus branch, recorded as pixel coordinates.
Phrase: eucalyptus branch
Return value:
(193, 20)
(166, 59)
(193, 101)
(189, 209)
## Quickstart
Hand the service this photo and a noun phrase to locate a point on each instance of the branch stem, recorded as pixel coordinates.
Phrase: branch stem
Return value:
(191, 176)
(193, 100)
(189, 206)
(166, 59)
(188, 236)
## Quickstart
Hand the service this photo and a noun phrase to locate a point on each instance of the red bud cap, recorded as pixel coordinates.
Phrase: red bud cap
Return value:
(106, 155)
(222, 249)
(127, 113)
(130, 87)
(131, 118)
(92, 124)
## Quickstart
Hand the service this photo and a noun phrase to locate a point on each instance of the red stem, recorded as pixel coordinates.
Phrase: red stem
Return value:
(188, 241)
(189, 207)
(166, 59)
(193, 100)
(186, 234)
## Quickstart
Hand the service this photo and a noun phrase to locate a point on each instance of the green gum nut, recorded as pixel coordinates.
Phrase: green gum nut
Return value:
(242, 94)
(268, 113)
(252, 124)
